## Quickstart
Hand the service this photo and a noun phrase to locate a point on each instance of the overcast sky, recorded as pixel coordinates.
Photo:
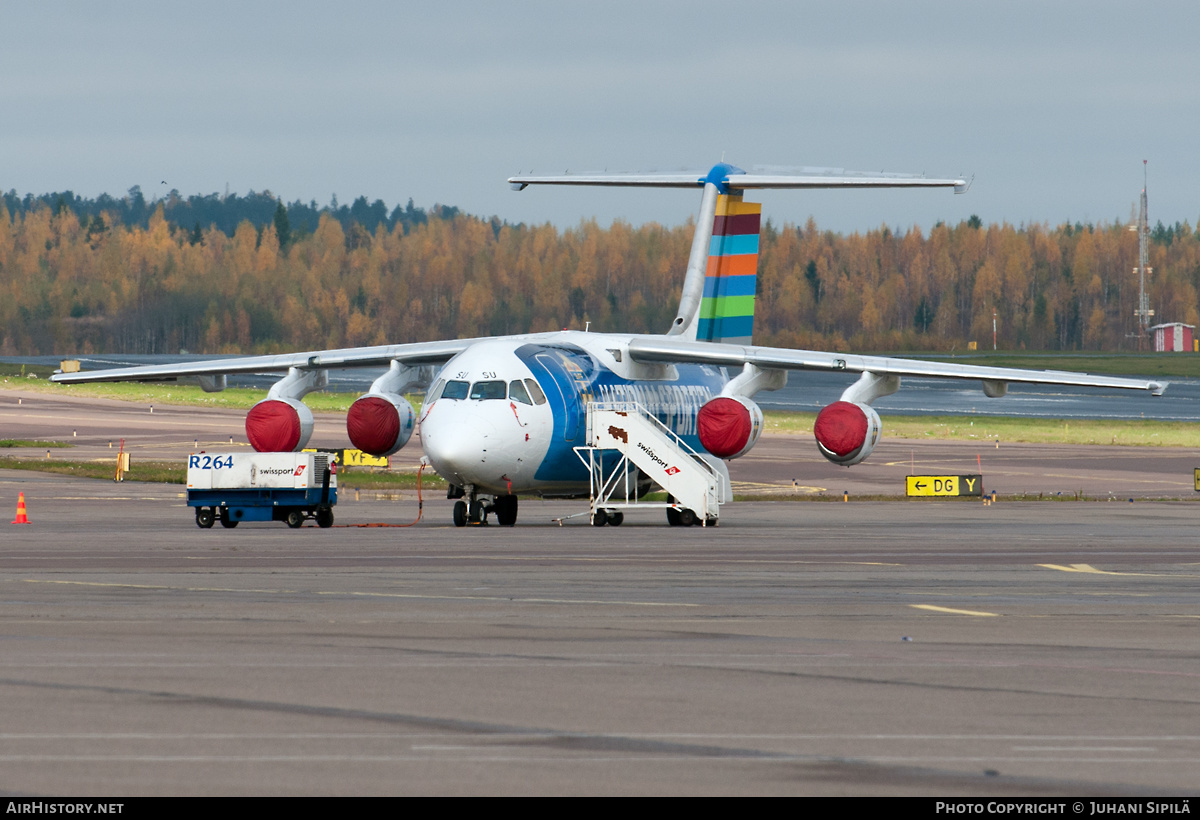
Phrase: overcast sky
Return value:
(1050, 106)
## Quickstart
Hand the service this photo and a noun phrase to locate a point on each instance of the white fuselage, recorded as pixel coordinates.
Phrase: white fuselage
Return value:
(504, 416)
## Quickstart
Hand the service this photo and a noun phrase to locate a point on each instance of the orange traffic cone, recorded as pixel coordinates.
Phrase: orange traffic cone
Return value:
(21, 517)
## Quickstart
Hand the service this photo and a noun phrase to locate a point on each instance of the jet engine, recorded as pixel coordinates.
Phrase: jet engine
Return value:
(729, 426)
(380, 423)
(847, 432)
(279, 425)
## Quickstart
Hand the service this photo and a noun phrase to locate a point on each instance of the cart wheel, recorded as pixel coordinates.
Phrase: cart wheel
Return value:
(325, 518)
(204, 517)
(294, 519)
(687, 518)
(616, 518)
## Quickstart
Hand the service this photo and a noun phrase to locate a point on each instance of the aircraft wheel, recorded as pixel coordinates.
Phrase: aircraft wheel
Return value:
(325, 518)
(506, 510)
(600, 518)
(673, 517)
(205, 517)
(616, 518)
(294, 519)
(460, 513)
(476, 513)
(687, 518)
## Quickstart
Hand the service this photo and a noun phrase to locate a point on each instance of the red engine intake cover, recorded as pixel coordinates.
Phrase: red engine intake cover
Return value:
(841, 428)
(376, 426)
(273, 426)
(728, 427)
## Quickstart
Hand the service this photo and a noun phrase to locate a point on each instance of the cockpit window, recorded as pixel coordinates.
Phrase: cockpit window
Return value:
(435, 392)
(539, 397)
(487, 390)
(517, 392)
(455, 390)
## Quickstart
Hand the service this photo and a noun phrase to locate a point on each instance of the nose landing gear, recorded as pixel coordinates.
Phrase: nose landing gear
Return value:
(475, 510)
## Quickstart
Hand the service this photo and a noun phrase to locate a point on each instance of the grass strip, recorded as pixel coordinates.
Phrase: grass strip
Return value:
(14, 442)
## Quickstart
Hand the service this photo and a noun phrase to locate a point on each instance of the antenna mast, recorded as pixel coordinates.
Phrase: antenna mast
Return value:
(1143, 311)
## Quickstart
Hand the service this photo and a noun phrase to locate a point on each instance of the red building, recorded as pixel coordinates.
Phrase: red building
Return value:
(1173, 337)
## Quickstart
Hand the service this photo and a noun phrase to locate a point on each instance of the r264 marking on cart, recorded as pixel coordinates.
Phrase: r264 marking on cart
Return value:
(203, 462)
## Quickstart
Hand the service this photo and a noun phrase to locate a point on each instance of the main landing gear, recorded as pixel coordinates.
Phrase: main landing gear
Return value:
(475, 509)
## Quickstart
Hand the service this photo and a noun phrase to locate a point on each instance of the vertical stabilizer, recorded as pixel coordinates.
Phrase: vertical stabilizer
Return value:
(727, 307)
(717, 303)
(687, 318)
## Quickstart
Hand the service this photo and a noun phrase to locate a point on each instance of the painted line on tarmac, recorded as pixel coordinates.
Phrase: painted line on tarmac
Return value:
(779, 485)
(486, 598)
(932, 608)
(505, 598)
(1085, 748)
(642, 559)
(1088, 569)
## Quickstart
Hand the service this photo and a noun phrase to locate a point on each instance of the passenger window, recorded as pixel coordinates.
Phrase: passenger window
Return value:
(535, 390)
(517, 392)
(483, 391)
(455, 390)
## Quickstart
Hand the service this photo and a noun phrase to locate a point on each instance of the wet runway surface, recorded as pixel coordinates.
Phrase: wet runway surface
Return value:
(799, 648)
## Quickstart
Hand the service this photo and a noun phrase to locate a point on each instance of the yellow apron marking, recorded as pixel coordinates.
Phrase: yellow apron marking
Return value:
(1090, 570)
(932, 608)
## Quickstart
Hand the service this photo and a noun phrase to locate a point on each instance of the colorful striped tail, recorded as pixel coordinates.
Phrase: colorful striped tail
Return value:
(727, 307)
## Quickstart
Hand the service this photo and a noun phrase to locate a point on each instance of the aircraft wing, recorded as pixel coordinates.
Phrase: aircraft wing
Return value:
(663, 349)
(379, 356)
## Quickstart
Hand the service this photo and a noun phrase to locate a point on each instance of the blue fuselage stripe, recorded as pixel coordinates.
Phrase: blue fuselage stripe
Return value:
(570, 378)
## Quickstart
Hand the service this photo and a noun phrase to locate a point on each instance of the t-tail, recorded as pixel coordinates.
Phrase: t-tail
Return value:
(717, 302)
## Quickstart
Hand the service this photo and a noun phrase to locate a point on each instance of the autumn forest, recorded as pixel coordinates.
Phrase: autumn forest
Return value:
(77, 279)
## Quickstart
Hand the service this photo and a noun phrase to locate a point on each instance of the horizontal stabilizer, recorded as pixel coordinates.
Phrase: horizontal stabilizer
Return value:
(727, 177)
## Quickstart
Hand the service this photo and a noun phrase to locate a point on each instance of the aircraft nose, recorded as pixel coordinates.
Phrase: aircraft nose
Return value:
(457, 442)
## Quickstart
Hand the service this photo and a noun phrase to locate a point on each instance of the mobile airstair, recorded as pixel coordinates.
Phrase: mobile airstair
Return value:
(625, 443)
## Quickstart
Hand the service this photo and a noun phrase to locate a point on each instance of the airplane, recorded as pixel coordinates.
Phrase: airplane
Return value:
(504, 415)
